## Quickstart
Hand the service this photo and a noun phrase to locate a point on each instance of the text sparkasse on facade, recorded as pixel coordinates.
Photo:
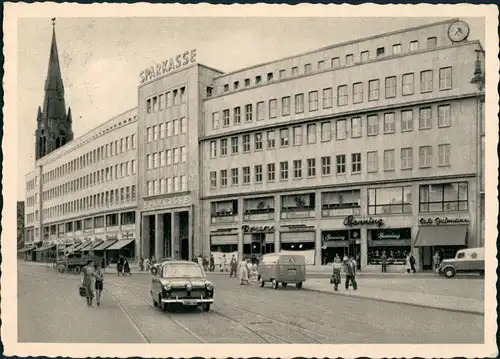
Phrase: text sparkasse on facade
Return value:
(166, 66)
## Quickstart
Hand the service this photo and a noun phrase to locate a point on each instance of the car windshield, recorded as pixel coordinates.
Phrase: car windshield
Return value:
(182, 270)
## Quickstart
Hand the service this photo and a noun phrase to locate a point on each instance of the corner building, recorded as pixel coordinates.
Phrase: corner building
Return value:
(353, 149)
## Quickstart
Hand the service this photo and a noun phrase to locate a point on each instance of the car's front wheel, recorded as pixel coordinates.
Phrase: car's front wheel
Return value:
(61, 268)
(206, 307)
(449, 272)
(261, 282)
(275, 284)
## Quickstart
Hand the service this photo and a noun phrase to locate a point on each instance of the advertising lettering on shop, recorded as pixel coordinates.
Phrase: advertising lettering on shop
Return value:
(174, 63)
(440, 220)
(350, 221)
(253, 229)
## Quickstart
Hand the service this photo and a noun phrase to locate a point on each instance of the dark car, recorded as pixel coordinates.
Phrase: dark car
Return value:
(74, 262)
(181, 282)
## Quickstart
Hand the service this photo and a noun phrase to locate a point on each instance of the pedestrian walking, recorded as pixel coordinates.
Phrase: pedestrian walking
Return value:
(243, 271)
(103, 264)
(412, 263)
(350, 273)
(126, 268)
(99, 284)
(233, 265)
(408, 264)
(119, 266)
(437, 260)
(206, 262)
(141, 264)
(358, 261)
(383, 262)
(146, 264)
(337, 267)
(212, 263)
(199, 260)
(88, 281)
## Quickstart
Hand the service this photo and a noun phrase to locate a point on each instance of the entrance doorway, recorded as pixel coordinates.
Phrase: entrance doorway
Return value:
(150, 250)
(184, 250)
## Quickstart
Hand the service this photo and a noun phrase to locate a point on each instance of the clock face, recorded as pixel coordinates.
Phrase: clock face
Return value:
(458, 31)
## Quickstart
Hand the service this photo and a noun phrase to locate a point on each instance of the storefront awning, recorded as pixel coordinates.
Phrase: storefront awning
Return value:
(84, 247)
(442, 235)
(41, 249)
(120, 244)
(26, 249)
(105, 244)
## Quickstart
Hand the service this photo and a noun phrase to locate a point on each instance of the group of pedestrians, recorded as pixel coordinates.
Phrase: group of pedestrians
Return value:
(123, 267)
(92, 282)
(349, 265)
(146, 264)
(409, 263)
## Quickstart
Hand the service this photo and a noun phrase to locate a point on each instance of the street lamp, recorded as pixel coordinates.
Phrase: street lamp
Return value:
(479, 79)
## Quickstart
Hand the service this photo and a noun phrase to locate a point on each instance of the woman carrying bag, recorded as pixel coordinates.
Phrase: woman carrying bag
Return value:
(337, 266)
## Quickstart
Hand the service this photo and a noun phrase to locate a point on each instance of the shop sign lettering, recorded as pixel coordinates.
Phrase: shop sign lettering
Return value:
(440, 220)
(330, 237)
(166, 202)
(382, 235)
(252, 229)
(166, 66)
(350, 221)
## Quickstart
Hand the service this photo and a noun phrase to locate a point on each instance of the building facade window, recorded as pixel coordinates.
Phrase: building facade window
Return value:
(408, 84)
(396, 49)
(425, 156)
(313, 100)
(258, 141)
(341, 129)
(248, 113)
(357, 92)
(284, 170)
(426, 83)
(295, 71)
(261, 111)
(443, 197)
(326, 131)
(373, 90)
(365, 56)
(225, 118)
(425, 118)
(327, 97)
(297, 135)
(390, 87)
(407, 158)
(246, 175)
(297, 169)
(444, 152)
(393, 200)
(213, 149)
(372, 161)
(284, 137)
(223, 147)
(406, 120)
(389, 160)
(285, 106)
(311, 134)
(235, 147)
(273, 108)
(444, 116)
(356, 163)
(223, 178)
(299, 103)
(349, 59)
(356, 127)
(215, 120)
(234, 176)
(311, 167)
(271, 140)
(258, 173)
(373, 125)
(237, 115)
(445, 78)
(271, 172)
(414, 45)
(335, 62)
(213, 179)
(342, 95)
(326, 165)
(389, 123)
(246, 143)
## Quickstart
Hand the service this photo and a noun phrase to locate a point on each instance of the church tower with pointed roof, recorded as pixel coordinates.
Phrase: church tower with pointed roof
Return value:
(54, 124)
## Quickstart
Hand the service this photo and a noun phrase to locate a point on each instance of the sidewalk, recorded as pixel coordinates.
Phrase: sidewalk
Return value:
(416, 297)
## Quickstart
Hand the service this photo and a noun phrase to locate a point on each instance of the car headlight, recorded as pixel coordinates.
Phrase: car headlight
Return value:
(167, 286)
(189, 286)
(209, 286)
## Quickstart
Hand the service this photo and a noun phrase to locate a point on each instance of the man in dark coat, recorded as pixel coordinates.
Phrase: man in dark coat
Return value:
(350, 273)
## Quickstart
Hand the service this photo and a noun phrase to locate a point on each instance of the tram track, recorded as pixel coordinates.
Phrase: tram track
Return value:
(259, 334)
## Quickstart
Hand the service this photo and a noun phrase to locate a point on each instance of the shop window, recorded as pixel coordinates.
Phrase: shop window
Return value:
(297, 246)
(443, 197)
(99, 222)
(127, 218)
(259, 207)
(389, 200)
(224, 248)
(112, 220)
(395, 254)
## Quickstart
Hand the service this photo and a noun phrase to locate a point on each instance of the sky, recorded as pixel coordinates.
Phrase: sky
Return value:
(101, 58)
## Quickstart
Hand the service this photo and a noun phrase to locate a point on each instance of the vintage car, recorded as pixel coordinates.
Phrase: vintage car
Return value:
(470, 260)
(180, 282)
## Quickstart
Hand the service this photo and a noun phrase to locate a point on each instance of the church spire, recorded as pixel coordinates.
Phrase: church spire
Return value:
(54, 123)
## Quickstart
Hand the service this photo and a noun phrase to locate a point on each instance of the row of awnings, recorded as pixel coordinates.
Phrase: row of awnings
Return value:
(80, 247)
(441, 235)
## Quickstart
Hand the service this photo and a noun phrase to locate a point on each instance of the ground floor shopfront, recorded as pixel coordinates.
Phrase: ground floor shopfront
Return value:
(167, 229)
(364, 238)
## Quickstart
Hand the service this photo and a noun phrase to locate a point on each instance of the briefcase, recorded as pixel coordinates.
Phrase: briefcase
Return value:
(82, 291)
